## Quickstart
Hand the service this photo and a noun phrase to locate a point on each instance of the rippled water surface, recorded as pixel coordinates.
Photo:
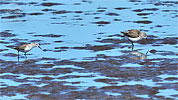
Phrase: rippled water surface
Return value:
(84, 54)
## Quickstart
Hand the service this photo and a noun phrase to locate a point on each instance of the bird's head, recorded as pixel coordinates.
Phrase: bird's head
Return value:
(37, 45)
(144, 35)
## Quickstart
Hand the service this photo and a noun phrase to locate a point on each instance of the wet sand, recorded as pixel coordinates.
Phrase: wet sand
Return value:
(85, 56)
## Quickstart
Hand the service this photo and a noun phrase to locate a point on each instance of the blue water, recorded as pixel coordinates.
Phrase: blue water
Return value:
(80, 30)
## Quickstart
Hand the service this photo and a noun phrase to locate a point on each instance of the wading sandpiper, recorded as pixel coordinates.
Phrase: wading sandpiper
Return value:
(27, 47)
(135, 35)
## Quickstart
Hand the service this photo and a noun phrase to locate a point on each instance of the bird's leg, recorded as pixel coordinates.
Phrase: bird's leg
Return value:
(18, 56)
(132, 44)
(147, 52)
(25, 55)
(18, 53)
(18, 59)
(132, 48)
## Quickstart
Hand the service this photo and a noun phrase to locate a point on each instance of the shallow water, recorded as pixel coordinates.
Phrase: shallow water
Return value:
(85, 56)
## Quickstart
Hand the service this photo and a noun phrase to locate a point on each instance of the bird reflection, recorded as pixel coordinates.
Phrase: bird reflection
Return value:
(19, 58)
(139, 55)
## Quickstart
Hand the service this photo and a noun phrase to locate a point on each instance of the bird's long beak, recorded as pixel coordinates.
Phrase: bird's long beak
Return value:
(39, 47)
(147, 52)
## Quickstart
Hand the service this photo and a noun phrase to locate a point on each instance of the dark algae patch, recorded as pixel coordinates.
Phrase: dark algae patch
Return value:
(49, 35)
(143, 22)
(101, 22)
(6, 34)
(36, 14)
(49, 4)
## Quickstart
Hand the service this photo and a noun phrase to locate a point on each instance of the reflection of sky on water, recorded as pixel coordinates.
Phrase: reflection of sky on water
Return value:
(85, 81)
(167, 93)
(76, 35)
(115, 94)
(89, 81)
(143, 96)
(167, 76)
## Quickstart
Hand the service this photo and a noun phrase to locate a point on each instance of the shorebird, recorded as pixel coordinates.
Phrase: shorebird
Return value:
(27, 47)
(135, 35)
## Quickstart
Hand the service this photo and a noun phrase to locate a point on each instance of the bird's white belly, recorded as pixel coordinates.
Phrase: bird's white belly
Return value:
(27, 48)
(135, 39)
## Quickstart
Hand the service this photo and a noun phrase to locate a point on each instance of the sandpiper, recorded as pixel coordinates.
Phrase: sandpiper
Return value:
(27, 47)
(134, 35)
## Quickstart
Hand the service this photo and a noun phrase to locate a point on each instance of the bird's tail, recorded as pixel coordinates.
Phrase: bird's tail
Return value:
(12, 47)
(123, 32)
(15, 48)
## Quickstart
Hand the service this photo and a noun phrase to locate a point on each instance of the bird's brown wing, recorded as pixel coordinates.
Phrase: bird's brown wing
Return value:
(22, 47)
(132, 33)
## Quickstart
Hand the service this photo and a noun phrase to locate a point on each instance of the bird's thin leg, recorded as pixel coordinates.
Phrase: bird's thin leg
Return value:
(132, 48)
(18, 56)
(147, 52)
(18, 53)
(132, 44)
(18, 59)
(25, 55)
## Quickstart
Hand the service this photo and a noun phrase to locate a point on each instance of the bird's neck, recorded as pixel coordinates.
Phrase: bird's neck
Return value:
(31, 46)
(140, 36)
